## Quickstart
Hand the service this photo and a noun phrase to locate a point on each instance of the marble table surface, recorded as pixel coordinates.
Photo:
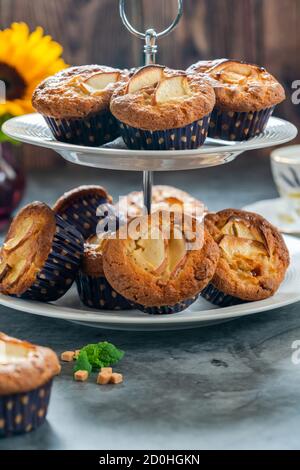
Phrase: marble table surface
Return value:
(230, 386)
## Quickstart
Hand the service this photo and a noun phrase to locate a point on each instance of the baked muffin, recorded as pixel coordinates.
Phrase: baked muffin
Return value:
(40, 256)
(26, 373)
(93, 288)
(203, 65)
(79, 206)
(163, 198)
(75, 104)
(246, 96)
(253, 258)
(163, 109)
(163, 263)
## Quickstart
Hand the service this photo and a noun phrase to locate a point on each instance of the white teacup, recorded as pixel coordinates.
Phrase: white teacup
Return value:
(285, 163)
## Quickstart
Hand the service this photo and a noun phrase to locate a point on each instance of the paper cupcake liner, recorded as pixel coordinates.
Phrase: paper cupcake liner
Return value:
(96, 292)
(92, 131)
(228, 125)
(61, 267)
(216, 297)
(184, 138)
(82, 214)
(23, 412)
(166, 309)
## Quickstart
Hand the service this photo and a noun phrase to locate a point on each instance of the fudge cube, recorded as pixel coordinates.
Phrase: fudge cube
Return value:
(81, 375)
(67, 356)
(103, 378)
(116, 378)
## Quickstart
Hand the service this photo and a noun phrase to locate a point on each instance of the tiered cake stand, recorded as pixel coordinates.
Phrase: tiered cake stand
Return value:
(32, 129)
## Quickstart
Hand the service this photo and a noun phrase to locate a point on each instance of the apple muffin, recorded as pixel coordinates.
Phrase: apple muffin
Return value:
(84, 207)
(163, 109)
(41, 254)
(161, 262)
(93, 288)
(163, 198)
(75, 104)
(253, 258)
(246, 96)
(26, 374)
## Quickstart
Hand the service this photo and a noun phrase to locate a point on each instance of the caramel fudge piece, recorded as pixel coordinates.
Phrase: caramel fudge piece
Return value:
(67, 356)
(81, 375)
(116, 378)
(104, 376)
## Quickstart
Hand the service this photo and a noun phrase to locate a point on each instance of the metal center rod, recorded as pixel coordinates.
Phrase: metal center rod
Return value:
(150, 50)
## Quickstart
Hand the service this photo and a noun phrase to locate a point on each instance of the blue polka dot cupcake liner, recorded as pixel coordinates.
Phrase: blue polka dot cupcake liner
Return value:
(189, 137)
(97, 293)
(82, 214)
(228, 125)
(92, 131)
(61, 267)
(167, 309)
(219, 298)
(23, 412)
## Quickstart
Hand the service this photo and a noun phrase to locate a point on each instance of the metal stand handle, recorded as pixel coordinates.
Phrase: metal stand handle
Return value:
(150, 49)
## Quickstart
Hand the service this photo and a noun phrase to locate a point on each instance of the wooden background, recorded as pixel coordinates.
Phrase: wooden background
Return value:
(266, 32)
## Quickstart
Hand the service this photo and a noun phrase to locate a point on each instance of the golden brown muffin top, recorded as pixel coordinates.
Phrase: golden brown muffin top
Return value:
(239, 86)
(253, 255)
(158, 98)
(204, 65)
(24, 366)
(77, 92)
(164, 263)
(163, 198)
(26, 248)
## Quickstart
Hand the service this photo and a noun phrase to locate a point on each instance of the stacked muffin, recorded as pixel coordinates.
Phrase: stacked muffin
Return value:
(157, 108)
(163, 197)
(75, 104)
(246, 96)
(158, 263)
(162, 268)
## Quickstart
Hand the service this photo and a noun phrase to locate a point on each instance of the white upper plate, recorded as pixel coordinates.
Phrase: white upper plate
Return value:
(32, 129)
(201, 313)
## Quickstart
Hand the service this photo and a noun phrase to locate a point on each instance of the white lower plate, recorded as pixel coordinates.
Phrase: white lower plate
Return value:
(201, 313)
(278, 213)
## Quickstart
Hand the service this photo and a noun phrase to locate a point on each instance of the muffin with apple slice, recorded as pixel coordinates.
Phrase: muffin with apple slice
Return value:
(75, 104)
(26, 375)
(41, 254)
(246, 96)
(163, 198)
(163, 109)
(161, 262)
(253, 258)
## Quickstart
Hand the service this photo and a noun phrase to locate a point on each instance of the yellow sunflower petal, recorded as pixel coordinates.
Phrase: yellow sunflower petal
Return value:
(34, 56)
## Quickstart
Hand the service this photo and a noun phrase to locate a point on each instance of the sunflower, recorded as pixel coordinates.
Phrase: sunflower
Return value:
(26, 58)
